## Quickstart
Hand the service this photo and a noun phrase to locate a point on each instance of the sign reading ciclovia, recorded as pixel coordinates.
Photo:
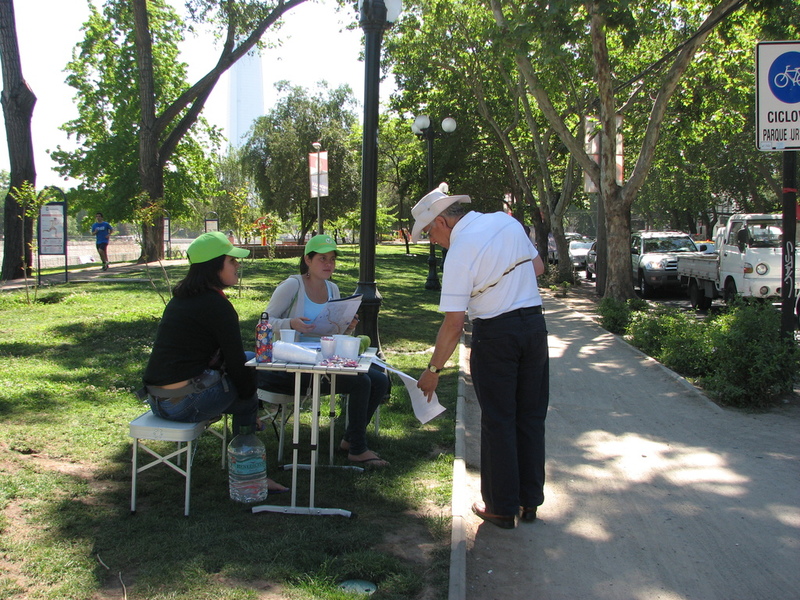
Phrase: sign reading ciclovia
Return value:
(778, 96)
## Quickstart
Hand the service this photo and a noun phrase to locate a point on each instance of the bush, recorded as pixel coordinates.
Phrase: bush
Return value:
(646, 331)
(685, 346)
(752, 366)
(615, 314)
(676, 339)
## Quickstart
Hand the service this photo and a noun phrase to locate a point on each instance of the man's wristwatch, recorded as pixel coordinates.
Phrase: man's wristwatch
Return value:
(433, 369)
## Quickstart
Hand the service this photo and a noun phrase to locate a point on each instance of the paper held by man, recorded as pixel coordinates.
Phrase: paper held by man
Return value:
(336, 315)
(423, 410)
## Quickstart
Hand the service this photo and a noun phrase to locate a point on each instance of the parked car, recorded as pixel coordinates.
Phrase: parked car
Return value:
(706, 246)
(552, 251)
(578, 250)
(654, 255)
(591, 262)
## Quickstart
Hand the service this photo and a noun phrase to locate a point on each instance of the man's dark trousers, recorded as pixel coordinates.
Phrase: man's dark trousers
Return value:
(510, 371)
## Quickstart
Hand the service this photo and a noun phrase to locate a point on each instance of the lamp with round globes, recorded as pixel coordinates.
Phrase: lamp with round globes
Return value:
(423, 128)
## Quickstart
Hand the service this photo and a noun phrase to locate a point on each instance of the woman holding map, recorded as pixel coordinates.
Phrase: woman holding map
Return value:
(295, 304)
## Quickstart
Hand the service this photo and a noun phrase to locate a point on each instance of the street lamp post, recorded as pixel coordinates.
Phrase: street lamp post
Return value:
(376, 16)
(423, 127)
(317, 147)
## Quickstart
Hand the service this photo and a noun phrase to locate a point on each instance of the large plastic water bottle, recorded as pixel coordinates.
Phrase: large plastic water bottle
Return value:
(247, 467)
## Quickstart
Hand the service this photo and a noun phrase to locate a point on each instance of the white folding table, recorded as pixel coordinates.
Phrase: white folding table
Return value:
(316, 371)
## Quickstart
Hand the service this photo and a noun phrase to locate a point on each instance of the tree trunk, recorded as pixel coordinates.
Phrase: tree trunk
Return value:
(18, 101)
(619, 274)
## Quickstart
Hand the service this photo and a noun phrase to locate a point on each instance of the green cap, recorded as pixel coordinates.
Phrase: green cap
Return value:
(321, 244)
(211, 245)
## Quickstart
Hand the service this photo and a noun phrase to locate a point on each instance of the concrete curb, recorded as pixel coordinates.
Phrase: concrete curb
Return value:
(458, 536)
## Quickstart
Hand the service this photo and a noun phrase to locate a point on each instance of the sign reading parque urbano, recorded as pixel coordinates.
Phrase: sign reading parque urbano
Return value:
(778, 96)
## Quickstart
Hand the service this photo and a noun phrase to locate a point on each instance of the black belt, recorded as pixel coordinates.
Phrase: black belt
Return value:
(517, 312)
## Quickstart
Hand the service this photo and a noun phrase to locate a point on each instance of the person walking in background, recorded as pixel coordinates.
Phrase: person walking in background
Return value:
(490, 272)
(102, 232)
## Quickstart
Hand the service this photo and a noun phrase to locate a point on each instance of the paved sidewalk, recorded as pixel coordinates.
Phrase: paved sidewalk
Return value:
(653, 492)
(88, 273)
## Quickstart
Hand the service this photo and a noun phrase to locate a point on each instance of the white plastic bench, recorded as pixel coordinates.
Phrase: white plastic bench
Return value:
(150, 427)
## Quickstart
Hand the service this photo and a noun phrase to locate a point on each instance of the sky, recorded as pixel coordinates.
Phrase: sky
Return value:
(315, 46)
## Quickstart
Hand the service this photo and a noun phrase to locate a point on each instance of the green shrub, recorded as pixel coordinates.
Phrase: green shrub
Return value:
(752, 365)
(685, 347)
(676, 339)
(615, 314)
(646, 330)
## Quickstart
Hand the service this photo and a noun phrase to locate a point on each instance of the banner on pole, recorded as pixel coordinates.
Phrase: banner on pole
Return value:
(591, 145)
(318, 174)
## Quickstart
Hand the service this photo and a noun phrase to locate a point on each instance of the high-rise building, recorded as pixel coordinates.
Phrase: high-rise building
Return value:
(245, 97)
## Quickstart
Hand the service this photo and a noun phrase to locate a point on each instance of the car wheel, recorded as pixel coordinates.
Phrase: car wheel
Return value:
(645, 289)
(694, 294)
(730, 291)
(797, 312)
(697, 297)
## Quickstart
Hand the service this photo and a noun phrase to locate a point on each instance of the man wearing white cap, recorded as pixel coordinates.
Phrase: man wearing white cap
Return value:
(490, 273)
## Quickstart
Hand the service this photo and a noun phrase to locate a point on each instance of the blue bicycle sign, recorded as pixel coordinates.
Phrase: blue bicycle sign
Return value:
(784, 77)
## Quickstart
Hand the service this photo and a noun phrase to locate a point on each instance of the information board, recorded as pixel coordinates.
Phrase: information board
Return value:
(53, 228)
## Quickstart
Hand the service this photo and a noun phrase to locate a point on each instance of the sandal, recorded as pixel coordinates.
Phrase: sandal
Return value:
(273, 487)
(371, 461)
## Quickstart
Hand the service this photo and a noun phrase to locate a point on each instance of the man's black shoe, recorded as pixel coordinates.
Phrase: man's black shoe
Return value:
(504, 521)
(528, 514)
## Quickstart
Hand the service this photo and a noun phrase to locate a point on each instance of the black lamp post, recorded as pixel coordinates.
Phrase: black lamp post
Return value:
(376, 17)
(423, 127)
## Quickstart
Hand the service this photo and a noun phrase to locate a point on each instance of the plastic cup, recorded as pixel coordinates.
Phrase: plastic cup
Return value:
(287, 335)
(327, 346)
(347, 347)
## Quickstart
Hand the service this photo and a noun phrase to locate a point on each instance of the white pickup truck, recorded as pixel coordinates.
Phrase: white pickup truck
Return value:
(747, 262)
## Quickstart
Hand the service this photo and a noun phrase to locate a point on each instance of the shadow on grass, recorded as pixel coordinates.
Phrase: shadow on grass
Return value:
(69, 413)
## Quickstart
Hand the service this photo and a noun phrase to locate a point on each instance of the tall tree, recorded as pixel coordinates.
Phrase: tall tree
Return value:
(613, 30)
(276, 153)
(105, 76)
(18, 101)
(165, 119)
(521, 165)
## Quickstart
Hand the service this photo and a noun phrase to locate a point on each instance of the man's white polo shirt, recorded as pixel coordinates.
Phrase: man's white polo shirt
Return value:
(489, 267)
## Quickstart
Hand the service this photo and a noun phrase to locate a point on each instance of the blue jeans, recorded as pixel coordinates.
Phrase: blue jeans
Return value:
(366, 392)
(208, 404)
(510, 372)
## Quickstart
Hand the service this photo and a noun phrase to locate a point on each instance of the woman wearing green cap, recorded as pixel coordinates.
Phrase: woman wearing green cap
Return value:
(197, 367)
(294, 305)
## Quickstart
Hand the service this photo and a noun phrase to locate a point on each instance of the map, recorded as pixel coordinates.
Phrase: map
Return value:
(337, 315)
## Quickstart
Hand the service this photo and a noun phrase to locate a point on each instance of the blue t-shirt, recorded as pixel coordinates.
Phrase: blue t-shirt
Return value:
(102, 231)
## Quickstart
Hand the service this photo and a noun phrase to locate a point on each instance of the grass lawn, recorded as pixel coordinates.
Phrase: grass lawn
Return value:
(68, 363)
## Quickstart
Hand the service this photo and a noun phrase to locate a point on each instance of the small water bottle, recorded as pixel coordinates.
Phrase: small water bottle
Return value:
(247, 467)
(264, 339)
